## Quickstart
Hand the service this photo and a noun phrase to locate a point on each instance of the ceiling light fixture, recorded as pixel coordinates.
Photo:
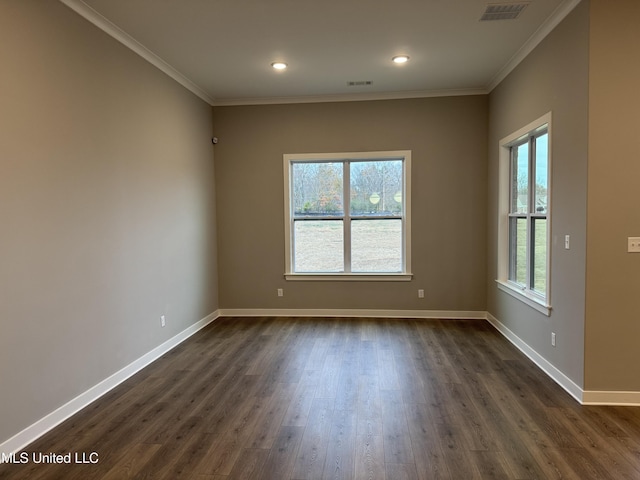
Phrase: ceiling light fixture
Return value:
(400, 59)
(279, 65)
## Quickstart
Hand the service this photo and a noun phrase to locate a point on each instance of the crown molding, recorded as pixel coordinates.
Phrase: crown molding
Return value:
(540, 34)
(349, 97)
(128, 41)
(91, 15)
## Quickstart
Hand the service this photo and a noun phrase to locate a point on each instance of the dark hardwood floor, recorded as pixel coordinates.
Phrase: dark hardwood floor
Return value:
(309, 398)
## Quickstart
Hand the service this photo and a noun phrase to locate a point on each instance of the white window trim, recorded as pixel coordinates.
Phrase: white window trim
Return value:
(406, 275)
(539, 303)
(350, 277)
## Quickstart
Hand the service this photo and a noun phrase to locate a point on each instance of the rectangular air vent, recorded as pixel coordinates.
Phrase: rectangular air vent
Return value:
(503, 11)
(360, 83)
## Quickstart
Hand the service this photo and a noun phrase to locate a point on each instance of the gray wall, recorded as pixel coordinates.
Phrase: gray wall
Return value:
(106, 208)
(613, 275)
(554, 77)
(448, 138)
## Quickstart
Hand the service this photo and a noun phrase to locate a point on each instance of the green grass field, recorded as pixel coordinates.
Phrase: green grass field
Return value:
(539, 251)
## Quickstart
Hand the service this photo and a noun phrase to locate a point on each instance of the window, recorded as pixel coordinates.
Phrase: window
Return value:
(347, 216)
(524, 224)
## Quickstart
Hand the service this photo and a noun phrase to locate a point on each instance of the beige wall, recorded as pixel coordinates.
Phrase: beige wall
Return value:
(106, 209)
(554, 77)
(613, 275)
(448, 140)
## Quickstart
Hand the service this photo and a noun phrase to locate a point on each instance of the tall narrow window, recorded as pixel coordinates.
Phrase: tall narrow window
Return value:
(347, 215)
(524, 255)
(528, 215)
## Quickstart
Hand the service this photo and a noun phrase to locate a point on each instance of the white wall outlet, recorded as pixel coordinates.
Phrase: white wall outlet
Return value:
(420, 293)
(633, 244)
(280, 292)
(567, 242)
(163, 321)
(553, 339)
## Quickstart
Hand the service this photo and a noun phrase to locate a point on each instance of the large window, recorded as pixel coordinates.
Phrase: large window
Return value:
(347, 215)
(524, 199)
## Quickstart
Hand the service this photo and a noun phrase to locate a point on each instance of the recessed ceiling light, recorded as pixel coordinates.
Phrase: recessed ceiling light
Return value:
(400, 59)
(279, 65)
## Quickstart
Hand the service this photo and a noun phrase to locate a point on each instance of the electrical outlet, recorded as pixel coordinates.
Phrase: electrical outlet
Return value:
(280, 292)
(420, 293)
(633, 244)
(567, 241)
(163, 321)
(553, 339)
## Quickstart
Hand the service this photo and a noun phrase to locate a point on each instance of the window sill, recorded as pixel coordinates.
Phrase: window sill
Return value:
(349, 277)
(534, 302)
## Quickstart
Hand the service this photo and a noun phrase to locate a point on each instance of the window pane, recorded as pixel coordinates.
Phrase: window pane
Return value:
(539, 260)
(520, 178)
(318, 246)
(317, 189)
(376, 245)
(541, 166)
(518, 250)
(376, 187)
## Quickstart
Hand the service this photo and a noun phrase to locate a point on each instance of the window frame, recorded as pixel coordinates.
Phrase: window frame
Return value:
(346, 159)
(526, 292)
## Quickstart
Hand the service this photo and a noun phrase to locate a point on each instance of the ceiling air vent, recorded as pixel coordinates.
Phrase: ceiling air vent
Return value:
(503, 11)
(360, 83)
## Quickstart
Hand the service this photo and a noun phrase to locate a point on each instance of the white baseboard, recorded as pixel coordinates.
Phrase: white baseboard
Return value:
(597, 397)
(560, 378)
(42, 426)
(309, 312)
(584, 397)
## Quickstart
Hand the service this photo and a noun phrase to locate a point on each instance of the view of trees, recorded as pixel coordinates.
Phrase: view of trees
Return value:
(520, 177)
(375, 188)
(317, 188)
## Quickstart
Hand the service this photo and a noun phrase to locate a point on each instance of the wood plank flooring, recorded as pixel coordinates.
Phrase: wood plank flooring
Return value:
(332, 398)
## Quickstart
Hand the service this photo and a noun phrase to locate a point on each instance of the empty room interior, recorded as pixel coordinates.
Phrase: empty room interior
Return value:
(411, 252)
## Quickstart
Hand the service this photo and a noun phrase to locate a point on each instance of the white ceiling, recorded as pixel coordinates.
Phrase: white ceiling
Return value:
(223, 49)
